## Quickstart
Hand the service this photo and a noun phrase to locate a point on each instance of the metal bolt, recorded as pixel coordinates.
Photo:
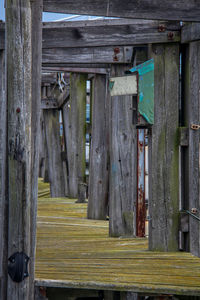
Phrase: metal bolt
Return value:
(116, 50)
(170, 36)
(161, 28)
(18, 110)
(194, 210)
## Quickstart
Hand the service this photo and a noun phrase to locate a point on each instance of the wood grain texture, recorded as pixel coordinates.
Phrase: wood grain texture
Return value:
(192, 156)
(123, 154)
(74, 124)
(3, 178)
(98, 166)
(19, 97)
(190, 32)
(107, 33)
(181, 10)
(74, 252)
(55, 164)
(36, 18)
(90, 55)
(163, 149)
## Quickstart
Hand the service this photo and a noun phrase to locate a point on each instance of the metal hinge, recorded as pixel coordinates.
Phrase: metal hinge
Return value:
(195, 126)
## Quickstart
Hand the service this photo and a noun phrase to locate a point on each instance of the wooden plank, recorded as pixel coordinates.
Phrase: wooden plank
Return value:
(74, 123)
(19, 97)
(190, 32)
(36, 21)
(191, 156)
(91, 55)
(108, 33)
(98, 166)
(162, 10)
(123, 153)
(3, 179)
(163, 151)
(123, 85)
(78, 253)
(77, 69)
(55, 165)
(105, 32)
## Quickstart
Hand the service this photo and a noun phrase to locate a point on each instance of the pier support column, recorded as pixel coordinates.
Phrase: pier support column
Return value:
(164, 151)
(23, 64)
(74, 121)
(191, 156)
(123, 163)
(98, 167)
(53, 143)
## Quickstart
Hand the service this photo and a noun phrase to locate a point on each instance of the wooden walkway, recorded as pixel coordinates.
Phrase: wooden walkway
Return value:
(77, 253)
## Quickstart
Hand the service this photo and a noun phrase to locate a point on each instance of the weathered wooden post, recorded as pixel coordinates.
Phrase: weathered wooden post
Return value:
(191, 156)
(3, 174)
(164, 151)
(98, 168)
(23, 96)
(123, 163)
(53, 142)
(74, 121)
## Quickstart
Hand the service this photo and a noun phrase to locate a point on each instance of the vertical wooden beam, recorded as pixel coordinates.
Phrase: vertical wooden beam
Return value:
(74, 121)
(36, 39)
(191, 94)
(163, 150)
(3, 181)
(21, 222)
(123, 163)
(98, 168)
(55, 164)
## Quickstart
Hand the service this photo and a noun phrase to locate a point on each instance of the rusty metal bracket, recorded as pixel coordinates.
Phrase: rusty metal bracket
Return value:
(195, 126)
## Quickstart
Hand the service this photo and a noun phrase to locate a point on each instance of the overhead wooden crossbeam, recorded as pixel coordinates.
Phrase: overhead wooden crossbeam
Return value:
(142, 9)
(93, 55)
(100, 33)
(109, 33)
(190, 32)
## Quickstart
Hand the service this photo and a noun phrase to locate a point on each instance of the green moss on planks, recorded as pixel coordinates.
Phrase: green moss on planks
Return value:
(73, 251)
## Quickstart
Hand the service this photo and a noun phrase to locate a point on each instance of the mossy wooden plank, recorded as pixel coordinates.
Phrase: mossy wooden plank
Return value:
(77, 252)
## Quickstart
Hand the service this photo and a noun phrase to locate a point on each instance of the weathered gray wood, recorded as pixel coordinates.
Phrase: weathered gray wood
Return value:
(123, 153)
(55, 164)
(79, 70)
(87, 55)
(107, 32)
(144, 9)
(19, 97)
(3, 179)
(190, 32)
(163, 150)
(192, 156)
(74, 124)
(98, 166)
(36, 18)
(49, 103)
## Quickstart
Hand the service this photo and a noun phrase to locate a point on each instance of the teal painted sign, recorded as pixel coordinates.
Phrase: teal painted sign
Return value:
(146, 90)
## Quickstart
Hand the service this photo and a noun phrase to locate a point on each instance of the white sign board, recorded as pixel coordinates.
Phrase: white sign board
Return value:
(124, 85)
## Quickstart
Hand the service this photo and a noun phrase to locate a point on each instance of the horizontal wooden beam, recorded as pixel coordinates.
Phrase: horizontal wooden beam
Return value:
(108, 33)
(78, 70)
(190, 32)
(182, 10)
(87, 55)
(105, 33)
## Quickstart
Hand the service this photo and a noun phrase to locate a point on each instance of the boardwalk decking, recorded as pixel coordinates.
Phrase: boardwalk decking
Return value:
(77, 253)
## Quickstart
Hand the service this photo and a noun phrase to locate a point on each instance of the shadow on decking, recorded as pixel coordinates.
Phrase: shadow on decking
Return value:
(74, 252)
